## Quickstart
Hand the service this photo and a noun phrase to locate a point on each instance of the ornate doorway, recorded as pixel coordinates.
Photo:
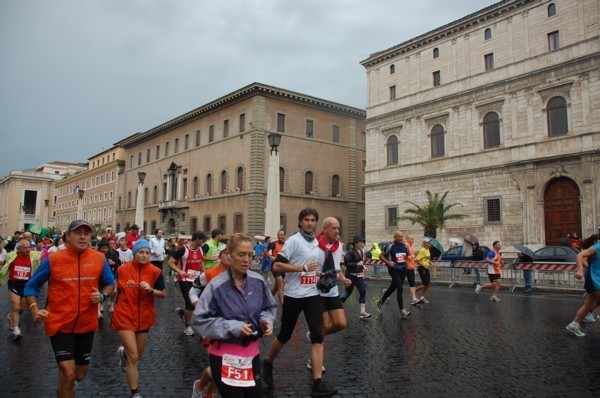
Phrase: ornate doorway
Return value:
(171, 226)
(562, 210)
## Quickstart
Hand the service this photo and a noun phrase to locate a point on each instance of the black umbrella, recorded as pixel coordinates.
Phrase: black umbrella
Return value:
(564, 240)
(525, 250)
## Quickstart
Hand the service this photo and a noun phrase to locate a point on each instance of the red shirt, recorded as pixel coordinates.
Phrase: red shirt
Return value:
(20, 269)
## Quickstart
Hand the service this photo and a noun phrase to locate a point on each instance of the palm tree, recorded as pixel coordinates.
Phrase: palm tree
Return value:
(433, 215)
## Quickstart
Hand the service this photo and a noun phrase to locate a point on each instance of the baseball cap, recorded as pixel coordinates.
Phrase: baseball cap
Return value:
(216, 232)
(426, 239)
(79, 224)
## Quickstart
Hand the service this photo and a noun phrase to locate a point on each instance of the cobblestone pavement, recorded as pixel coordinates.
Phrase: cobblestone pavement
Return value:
(459, 345)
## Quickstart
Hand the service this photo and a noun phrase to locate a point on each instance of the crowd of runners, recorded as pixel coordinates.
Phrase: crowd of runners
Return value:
(226, 303)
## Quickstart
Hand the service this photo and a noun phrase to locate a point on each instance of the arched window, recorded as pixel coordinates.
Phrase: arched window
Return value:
(335, 186)
(392, 150)
(281, 179)
(392, 69)
(557, 117)
(491, 130)
(436, 52)
(240, 179)
(487, 34)
(223, 182)
(551, 9)
(209, 184)
(308, 182)
(438, 147)
(196, 186)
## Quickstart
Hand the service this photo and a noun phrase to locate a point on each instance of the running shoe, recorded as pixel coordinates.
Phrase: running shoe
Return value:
(17, 335)
(198, 391)
(267, 373)
(424, 300)
(575, 329)
(122, 358)
(188, 331)
(364, 315)
(477, 289)
(10, 322)
(136, 395)
(494, 299)
(589, 318)
(405, 313)
(179, 311)
(319, 389)
(309, 366)
(379, 305)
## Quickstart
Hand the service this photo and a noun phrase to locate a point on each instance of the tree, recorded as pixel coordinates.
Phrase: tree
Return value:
(433, 215)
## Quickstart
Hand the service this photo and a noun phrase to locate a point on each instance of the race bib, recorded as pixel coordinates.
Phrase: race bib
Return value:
(192, 275)
(308, 278)
(400, 257)
(22, 273)
(237, 371)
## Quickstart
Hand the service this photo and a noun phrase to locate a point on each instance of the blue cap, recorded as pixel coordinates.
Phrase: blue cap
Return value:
(140, 244)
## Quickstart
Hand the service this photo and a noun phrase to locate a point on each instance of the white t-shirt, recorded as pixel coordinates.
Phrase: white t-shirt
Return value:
(300, 252)
(125, 256)
(337, 259)
(157, 247)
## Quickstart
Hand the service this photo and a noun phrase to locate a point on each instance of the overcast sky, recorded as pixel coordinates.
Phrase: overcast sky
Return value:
(77, 76)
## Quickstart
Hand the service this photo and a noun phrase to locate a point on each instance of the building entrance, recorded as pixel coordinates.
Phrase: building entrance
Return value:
(562, 210)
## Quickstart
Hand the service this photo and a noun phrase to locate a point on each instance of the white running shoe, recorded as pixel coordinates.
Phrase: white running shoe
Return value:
(188, 331)
(477, 289)
(364, 315)
(198, 392)
(17, 335)
(589, 318)
(309, 366)
(575, 329)
(494, 298)
(122, 358)
(405, 313)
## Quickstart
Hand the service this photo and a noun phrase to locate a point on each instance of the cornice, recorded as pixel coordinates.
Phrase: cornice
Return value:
(461, 25)
(241, 94)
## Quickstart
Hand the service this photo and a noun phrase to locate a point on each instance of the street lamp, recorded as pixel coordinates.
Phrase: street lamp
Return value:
(80, 207)
(272, 208)
(139, 206)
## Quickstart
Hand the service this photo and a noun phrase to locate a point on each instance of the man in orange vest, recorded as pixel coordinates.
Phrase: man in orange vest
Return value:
(79, 278)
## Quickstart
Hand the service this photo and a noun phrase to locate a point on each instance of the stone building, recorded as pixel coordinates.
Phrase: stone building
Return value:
(208, 168)
(499, 108)
(97, 186)
(29, 196)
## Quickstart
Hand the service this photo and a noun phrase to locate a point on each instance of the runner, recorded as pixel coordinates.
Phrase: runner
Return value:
(201, 386)
(494, 260)
(423, 263)
(394, 256)
(79, 278)
(20, 265)
(211, 248)
(157, 243)
(354, 270)
(187, 262)
(278, 277)
(299, 258)
(591, 282)
(234, 311)
(410, 273)
(139, 282)
(330, 256)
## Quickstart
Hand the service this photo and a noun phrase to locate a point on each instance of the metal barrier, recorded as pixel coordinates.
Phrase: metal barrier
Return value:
(544, 275)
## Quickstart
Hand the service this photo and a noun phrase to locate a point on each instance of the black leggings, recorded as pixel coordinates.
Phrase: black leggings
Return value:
(396, 284)
(236, 392)
(313, 313)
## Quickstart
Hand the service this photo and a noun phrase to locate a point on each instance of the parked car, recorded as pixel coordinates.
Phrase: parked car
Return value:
(556, 253)
(456, 253)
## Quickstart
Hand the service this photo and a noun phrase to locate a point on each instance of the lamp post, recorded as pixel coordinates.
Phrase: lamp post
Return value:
(139, 206)
(272, 208)
(80, 207)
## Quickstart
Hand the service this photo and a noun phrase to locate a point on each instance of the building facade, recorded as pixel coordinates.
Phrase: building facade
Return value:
(497, 108)
(29, 196)
(92, 193)
(208, 168)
